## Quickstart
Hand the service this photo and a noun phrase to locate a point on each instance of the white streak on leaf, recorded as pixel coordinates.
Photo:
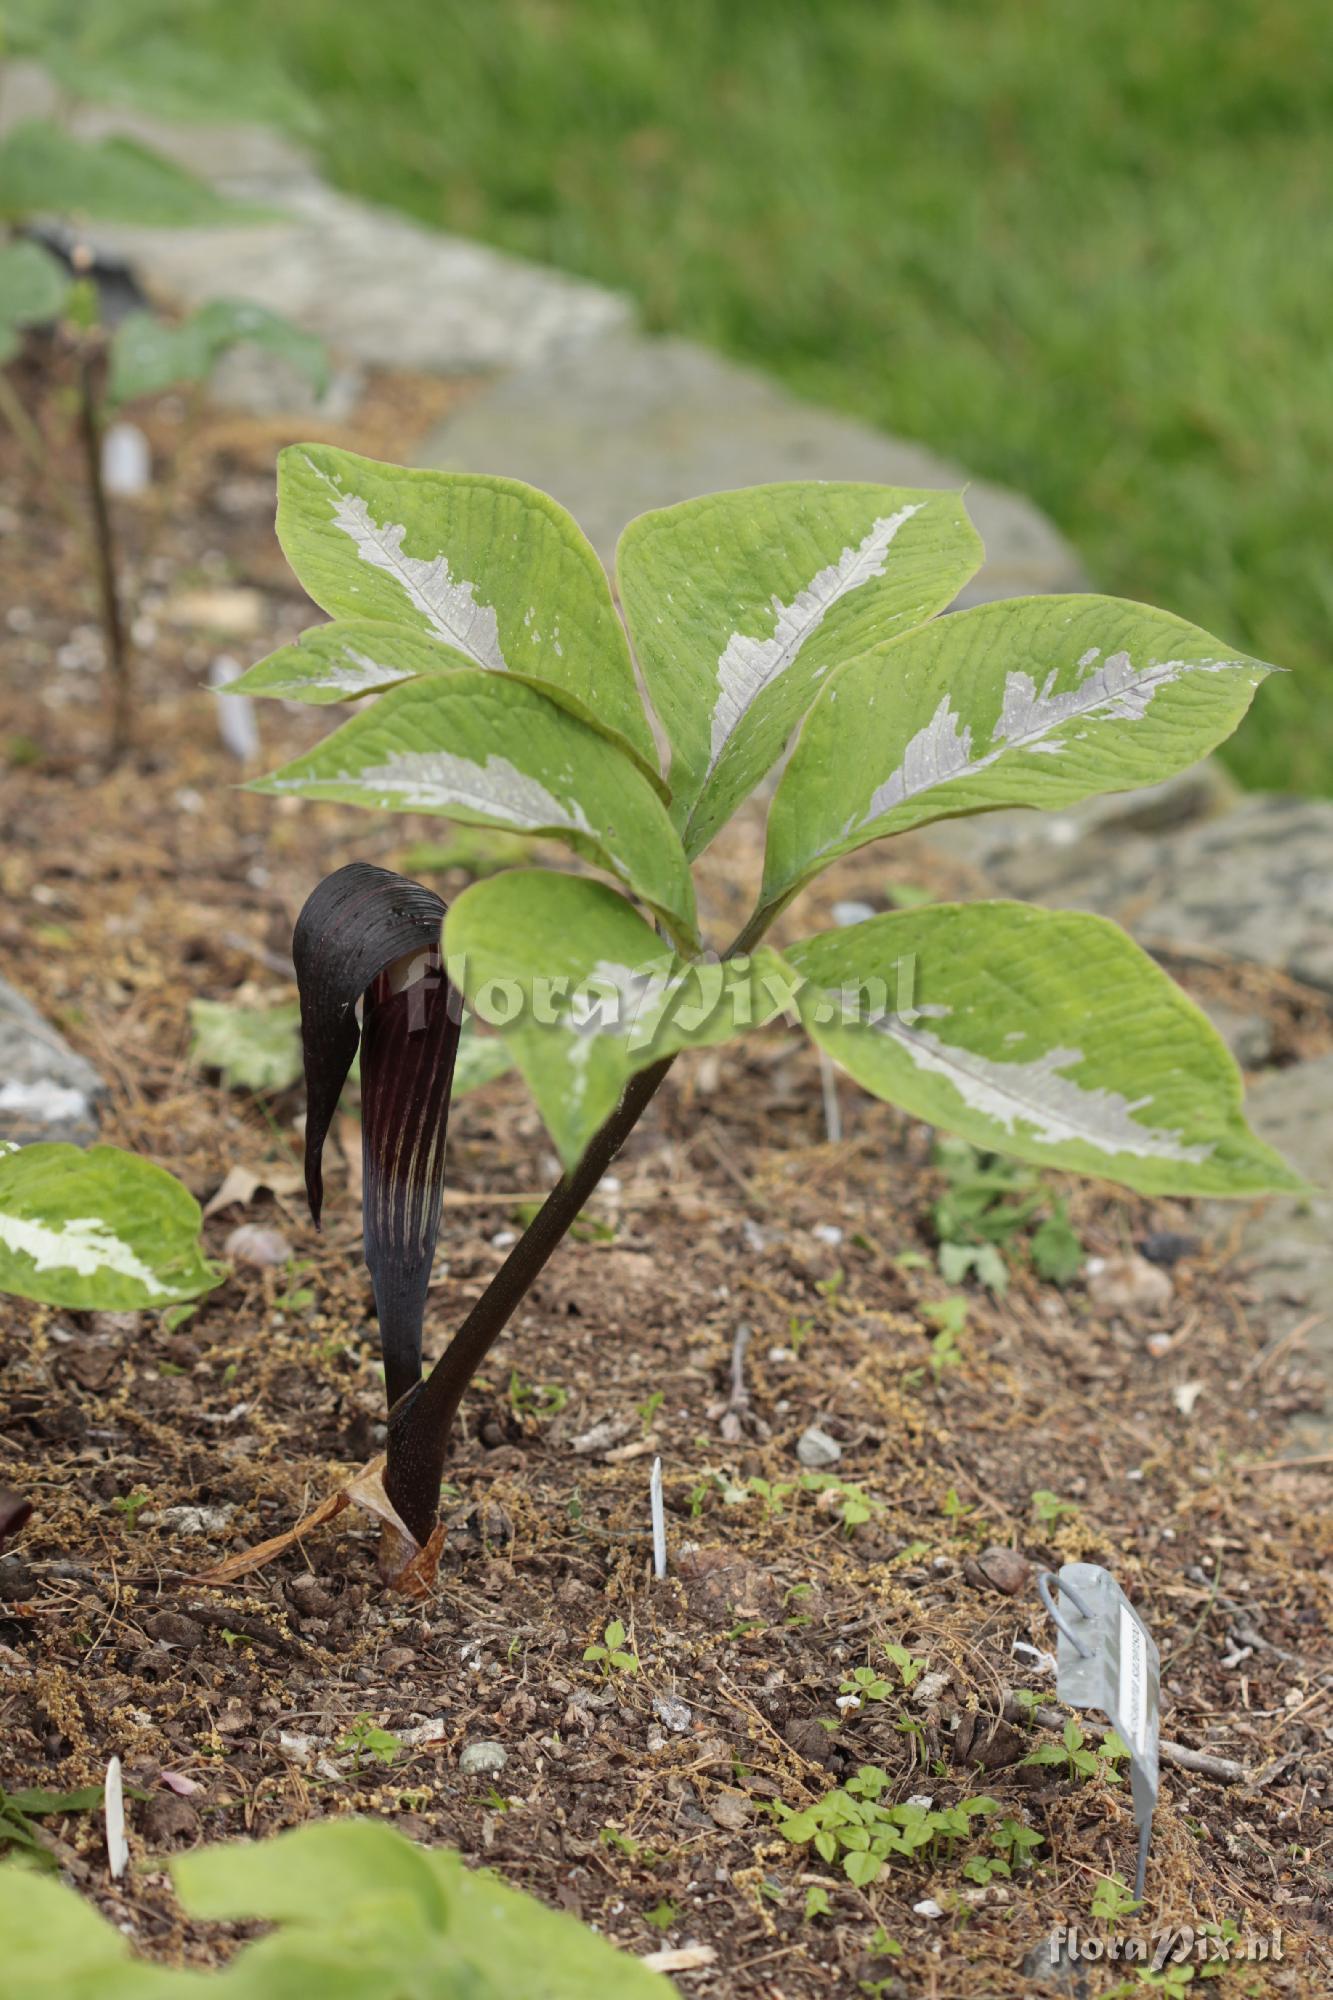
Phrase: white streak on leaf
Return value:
(616, 998)
(1037, 1095)
(85, 1245)
(749, 666)
(449, 604)
(440, 780)
(942, 749)
(360, 675)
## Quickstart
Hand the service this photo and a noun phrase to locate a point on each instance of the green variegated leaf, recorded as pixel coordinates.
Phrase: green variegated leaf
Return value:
(252, 1048)
(100, 1230)
(345, 659)
(489, 749)
(741, 604)
(33, 285)
(148, 355)
(1039, 1033)
(489, 566)
(585, 993)
(1035, 702)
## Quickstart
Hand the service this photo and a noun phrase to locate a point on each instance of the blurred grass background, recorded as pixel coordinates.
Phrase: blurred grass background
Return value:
(1084, 245)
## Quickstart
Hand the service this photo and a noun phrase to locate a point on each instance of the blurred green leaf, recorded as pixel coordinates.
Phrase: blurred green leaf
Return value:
(45, 171)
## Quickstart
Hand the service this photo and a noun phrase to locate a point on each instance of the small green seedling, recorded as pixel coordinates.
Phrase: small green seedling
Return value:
(18, 1810)
(649, 1409)
(1079, 1761)
(1112, 1899)
(950, 1316)
(910, 1666)
(535, 1399)
(364, 1739)
(852, 1827)
(866, 1685)
(1050, 1510)
(130, 1506)
(613, 1655)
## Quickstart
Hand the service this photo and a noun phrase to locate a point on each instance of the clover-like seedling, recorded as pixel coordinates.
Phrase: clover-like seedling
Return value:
(798, 622)
(364, 1739)
(613, 1657)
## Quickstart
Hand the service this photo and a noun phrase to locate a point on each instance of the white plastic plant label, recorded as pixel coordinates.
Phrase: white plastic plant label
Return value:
(1107, 1660)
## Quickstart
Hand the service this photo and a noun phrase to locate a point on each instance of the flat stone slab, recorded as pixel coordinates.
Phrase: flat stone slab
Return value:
(1287, 1244)
(380, 289)
(46, 1090)
(614, 427)
(1254, 883)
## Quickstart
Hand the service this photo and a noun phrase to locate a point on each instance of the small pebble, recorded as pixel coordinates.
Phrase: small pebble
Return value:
(1128, 1285)
(1167, 1246)
(252, 1243)
(817, 1450)
(482, 1760)
(999, 1569)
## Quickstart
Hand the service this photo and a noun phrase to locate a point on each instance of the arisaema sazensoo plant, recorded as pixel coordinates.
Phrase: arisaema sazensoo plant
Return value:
(477, 616)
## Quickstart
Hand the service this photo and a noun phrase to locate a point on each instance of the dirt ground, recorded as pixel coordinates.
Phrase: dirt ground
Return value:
(641, 1801)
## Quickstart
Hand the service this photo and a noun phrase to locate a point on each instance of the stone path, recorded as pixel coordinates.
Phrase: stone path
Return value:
(614, 426)
(607, 419)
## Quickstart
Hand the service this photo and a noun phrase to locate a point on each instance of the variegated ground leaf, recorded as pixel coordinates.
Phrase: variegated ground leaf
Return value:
(489, 749)
(346, 659)
(740, 605)
(489, 566)
(585, 993)
(1040, 1033)
(1038, 701)
(98, 1231)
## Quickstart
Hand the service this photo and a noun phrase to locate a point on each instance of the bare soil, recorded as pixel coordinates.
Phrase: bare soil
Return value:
(641, 1802)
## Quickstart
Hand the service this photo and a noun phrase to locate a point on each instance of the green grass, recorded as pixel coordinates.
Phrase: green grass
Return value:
(1083, 245)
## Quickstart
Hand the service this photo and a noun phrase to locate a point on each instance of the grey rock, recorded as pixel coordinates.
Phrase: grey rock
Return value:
(1055, 1973)
(265, 384)
(1005, 847)
(1287, 1244)
(817, 1450)
(1255, 883)
(482, 1759)
(46, 1090)
(379, 289)
(673, 1713)
(253, 1243)
(1248, 1036)
(383, 291)
(618, 425)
